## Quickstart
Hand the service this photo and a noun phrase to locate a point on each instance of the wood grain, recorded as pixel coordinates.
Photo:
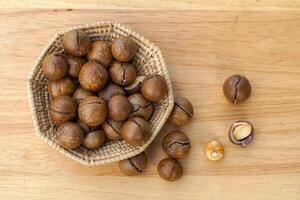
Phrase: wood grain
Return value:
(158, 4)
(201, 50)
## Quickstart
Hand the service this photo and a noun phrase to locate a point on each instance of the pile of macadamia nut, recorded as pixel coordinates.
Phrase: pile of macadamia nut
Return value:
(96, 94)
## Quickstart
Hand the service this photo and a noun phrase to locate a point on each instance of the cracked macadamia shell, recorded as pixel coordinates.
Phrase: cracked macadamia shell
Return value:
(133, 166)
(70, 135)
(123, 49)
(176, 144)
(140, 106)
(62, 109)
(54, 66)
(182, 112)
(76, 42)
(241, 133)
(169, 169)
(237, 89)
(101, 53)
(122, 74)
(111, 90)
(112, 129)
(154, 88)
(81, 94)
(75, 65)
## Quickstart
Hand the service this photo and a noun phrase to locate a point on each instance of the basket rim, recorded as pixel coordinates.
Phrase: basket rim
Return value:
(69, 153)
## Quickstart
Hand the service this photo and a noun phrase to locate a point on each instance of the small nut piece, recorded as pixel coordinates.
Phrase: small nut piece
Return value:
(169, 169)
(76, 43)
(154, 88)
(176, 144)
(123, 74)
(111, 90)
(123, 48)
(75, 65)
(60, 87)
(101, 53)
(136, 86)
(213, 150)
(93, 76)
(94, 139)
(136, 131)
(112, 129)
(54, 66)
(182, 112)
(81, 94)
(70, 135)
(92, 111)
(237, 89)
(241, 133)
(133, 166)
(119, 108)
(62, 109)
(140, 106)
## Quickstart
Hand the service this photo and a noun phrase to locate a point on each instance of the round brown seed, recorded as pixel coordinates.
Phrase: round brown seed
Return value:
(112, 129)
(154, 88)
(119, 108)
(169, 169)
(101, 53)
(94, 139)
(124, 48)
(133, 166)
(60, 87)
(182, 112)
(76, 43)
(176, 144)
(54, 66)
(70, 135)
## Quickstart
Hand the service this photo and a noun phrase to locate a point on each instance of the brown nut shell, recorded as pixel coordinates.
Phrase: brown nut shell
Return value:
(92, 111)
(169, 169)
(123, 74)
(112, 129)
(60, 87)
(182, 112)
(237, 89)
(133, 166)
(140, 106)
(62, 109)
(213, 150)
(76, 42)
(54, 66)
(119, 108)
(154, 88)
(241, 133)
(70, 135)
(124, 49)
(93, 76)
(111, 90)
(176, 144)
(136, 86)
(81, 94)
(101, 53)
(94, 139)
(75, 65)
(136, 131)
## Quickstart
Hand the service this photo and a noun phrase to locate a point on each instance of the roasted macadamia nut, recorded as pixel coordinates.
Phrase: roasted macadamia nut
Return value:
(154, 88)
(76, 43)
(169, 169)
(75, 65)
(133, 166)
(70, 135)
(123, 49)
(93, 76)
(112, 129)
(60, 87)
(81, 94)
(101, 53)
(140, 106)
(241, 133)
(123, 74)
(54, 66)
(182, 112)
(136, 86)
(136, 131)
(119, 108)
(92, 111)
(213, 150)
(176, 144)
(63, 109)
(94, 140)
(111, 90)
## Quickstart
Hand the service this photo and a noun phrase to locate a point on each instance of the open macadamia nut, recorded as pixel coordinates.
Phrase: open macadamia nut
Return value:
(241, 133)
(123, 74)
(62, 109)
(182, 112)
(111, 90)
(76, 42)
(133, 166)
(54, 66)
(60, 87)
(112, 129)
(135, 86)
(101, 53)
(70, 135)
(94, 140)
(136, 131)
(75, 65)
(123, 49)
(176, 144)
(119, 108)
(140, 106)
(213, 150)
(92, 111)
(154, 87)
(169, 169)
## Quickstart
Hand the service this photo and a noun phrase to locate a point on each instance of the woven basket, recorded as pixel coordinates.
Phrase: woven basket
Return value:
(148, 60)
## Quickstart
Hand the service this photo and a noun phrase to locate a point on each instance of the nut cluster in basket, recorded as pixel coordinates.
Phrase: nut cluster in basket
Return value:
(96, 93)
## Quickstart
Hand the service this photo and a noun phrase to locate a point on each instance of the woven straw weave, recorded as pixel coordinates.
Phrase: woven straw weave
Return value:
(148, 60)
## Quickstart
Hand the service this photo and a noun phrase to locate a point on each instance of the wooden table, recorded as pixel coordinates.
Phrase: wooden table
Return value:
(201, 48)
